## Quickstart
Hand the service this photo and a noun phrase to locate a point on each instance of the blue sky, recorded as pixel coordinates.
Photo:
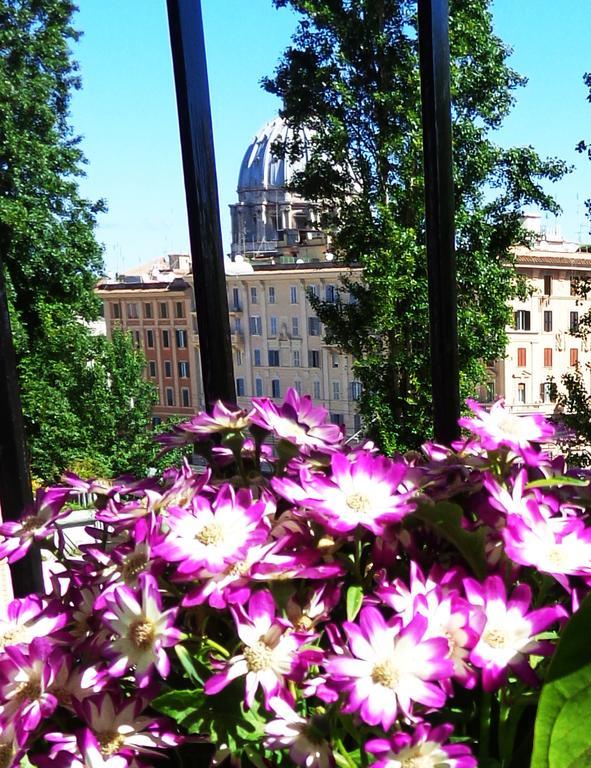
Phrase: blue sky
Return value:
(126, 109)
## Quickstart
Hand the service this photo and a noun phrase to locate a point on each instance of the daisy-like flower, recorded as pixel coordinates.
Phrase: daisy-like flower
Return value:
(362, 490)
(425, 747)
(269, 653)
(11, 745)
(215, 536)
(29, 617)
(119, 729)
(222, 420)
(498, 427)
(26, 677)
(388, 668)
(306, 743)
(36, 524)
(143, 631)
(297, 421)
(507, 631)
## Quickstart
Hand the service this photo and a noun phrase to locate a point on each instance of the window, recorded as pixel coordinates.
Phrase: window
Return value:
(297, 385)
(547, 392)
(148, 310)
(337, 418)
(257, 357)
(313, 290)
(165, 339)
(357, 422)
(521, 393)
(295, 326)
(132, 312)
(254, 299)
(258, 387)
(238, 357)
(548, 357)
(168, 369)
(574, 322)
(574, 356)
(185, 397)
(489, 391)
(163, 310)
(156, 420)
(547, 285)
(296, 358)
(547, 320)
(522, 320)
(271, 295)
(331, 293)
(521, 357)
(316, 387)
(314, 326)
(150, 339)
(273, 326)
(336, 390)
(313, 358)
(274, 357)
(179, 309)
(169, 396)
(183, 370)
(574, 286)
(237, 325)
(355, 390)
(152, 369)
(275, 388)
(181, 338)
(335, 359)
(136, 339)
(293, 294)
(115, 311)
(235, 299)
(256, 327)
(240, 387)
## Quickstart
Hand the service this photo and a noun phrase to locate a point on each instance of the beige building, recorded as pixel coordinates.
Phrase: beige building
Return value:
(541, 345)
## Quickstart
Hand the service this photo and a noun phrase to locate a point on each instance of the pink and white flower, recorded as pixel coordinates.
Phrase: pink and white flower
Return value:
(507, 630)
(142, 631)
(389, 668)
(23, 619)
(425, 747)
(306, 744)
(222, 419)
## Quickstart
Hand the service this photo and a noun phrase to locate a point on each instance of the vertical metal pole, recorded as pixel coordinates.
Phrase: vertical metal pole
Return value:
(192, 92)
(439, 209)
(15, 482)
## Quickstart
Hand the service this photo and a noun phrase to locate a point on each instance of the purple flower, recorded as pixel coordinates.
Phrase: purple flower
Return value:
(12, 743)
(507, 631)
(306, 744)
(297, 421)
(26, 618)
(425, 747)
(222, 419)
(214, 536)
(498, 427)
(142, 630)
(269, 654)
(36, 524)
(362, 490)
(388, 668)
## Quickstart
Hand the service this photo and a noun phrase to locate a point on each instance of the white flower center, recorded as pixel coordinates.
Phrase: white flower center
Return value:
(358, 502)
(142, 633)
(417, 761)
(30, 690)
(496, 638)
(510, 425)
(110, 742)
(557, 556)
(133, 565)
(385, 673)
(212, 533)
(258, 657)
(32, 523)
(13, 636)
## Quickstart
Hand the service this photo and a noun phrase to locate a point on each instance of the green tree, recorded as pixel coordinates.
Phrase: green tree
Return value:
(51, 259)
(352, 76)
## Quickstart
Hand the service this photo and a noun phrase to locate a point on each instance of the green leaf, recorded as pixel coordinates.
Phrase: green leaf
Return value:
(446, 519)
(178, 705)
(557, 480)
(354, 601)
(187, 663)
(562, 737)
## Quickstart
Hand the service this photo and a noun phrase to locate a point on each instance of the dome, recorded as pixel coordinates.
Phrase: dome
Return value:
(260, 168)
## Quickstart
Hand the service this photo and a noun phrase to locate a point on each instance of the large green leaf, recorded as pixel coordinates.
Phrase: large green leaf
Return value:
(562, 737)
(446, 519)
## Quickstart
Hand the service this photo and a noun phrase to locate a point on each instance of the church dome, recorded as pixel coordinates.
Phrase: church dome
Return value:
(261, 168)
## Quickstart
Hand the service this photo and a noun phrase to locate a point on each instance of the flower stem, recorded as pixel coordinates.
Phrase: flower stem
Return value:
(484, 732)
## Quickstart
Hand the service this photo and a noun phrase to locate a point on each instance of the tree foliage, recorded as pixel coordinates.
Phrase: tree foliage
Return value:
(76, 388)
(352, 76)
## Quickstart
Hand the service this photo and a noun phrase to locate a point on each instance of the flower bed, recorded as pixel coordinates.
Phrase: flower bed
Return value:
(336, 607)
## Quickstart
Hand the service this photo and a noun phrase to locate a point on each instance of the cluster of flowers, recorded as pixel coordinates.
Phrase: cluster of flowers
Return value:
(353, 599)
